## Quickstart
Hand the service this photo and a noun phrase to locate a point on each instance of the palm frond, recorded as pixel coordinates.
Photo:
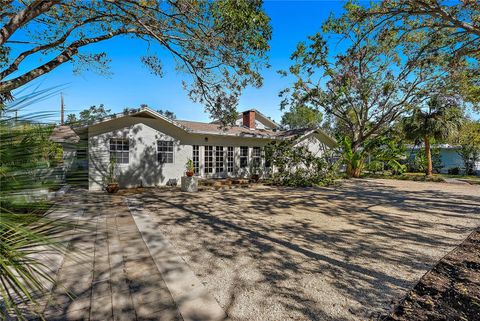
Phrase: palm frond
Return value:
(26, 234)
(24, 239)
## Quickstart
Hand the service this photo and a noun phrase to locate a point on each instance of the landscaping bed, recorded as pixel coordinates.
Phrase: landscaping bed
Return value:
(450, 291)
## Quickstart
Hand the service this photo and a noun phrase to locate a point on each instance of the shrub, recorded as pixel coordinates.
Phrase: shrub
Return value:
(386, 153)
(375, 166)
(417, 162)
(454, 170)
(297, 166)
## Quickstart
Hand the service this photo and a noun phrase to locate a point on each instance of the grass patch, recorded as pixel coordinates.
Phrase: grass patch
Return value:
(421, 177)
(417, 177)
(471, 179)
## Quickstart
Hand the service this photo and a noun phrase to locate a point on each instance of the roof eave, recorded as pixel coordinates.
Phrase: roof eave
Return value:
(200, 132)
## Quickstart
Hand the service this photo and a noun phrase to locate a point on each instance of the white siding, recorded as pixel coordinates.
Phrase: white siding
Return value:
(313, 144)
(143, 168)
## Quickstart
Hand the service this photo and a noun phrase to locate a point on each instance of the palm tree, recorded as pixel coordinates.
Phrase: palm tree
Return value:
(25, 232)
(441, 118)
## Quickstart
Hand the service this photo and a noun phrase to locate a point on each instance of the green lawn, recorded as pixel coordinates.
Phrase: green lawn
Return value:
(421, 177)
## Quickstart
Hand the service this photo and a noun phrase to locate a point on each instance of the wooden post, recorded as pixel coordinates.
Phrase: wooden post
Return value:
(62, 110)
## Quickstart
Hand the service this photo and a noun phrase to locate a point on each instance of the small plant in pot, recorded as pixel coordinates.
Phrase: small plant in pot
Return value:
(190, 168)
(112, 182)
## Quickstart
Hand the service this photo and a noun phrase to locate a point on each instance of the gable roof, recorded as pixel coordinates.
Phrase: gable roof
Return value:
(194, 127)
(216, 129)
(64, 134)
(302, 133)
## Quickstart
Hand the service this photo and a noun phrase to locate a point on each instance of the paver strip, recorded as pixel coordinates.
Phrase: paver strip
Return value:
(192, 298)
(107, 272)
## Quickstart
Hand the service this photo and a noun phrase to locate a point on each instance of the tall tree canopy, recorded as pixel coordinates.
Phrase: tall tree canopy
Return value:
(302, 117)
(220, 44)
(366, 86)
(451, 28)
(468, 141)
(88, 115)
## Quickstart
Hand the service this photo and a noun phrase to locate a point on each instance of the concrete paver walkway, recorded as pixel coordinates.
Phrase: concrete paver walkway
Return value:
(108, 272)
(193, 300)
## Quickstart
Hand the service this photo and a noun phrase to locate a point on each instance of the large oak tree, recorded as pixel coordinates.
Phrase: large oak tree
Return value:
(452, 26)
(452, 29)
(220, 44)
(371, 80)
(367, 85)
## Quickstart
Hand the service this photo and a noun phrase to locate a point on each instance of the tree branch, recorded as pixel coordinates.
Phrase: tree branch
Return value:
(64, 56)
(32, 11)
(14, 65)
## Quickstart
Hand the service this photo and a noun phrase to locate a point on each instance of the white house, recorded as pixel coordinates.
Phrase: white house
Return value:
(153, 150)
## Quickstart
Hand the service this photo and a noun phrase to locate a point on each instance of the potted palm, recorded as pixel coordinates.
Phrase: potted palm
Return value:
(112, 182)
(190, 168)
(189, 181)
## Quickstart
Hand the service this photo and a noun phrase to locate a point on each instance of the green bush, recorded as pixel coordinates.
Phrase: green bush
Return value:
(375, 166)
(454, 171)
(417, 162)
(296, 166)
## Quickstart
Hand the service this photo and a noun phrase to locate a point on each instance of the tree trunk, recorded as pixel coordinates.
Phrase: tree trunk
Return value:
(428, 155)
(355, 166)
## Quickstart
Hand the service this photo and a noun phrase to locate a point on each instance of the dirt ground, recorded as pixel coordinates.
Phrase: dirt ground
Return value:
(344, 253)
(450, 291)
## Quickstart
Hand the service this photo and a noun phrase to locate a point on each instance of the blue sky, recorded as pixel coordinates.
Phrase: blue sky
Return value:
(131, 84)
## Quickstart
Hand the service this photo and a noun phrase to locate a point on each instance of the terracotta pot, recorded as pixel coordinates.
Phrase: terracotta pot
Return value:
(189, 173)
(112, 188)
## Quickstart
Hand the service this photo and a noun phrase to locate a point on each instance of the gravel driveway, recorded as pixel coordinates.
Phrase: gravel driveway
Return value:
(343, 253)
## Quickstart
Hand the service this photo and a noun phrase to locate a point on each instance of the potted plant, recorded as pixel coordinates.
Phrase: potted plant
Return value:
(190, 168)
(112, 183)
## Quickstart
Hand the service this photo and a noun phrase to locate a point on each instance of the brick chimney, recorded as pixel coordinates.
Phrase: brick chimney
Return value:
(249, 119)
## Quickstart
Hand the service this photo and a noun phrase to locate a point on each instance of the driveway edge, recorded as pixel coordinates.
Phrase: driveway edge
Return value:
(193, 300)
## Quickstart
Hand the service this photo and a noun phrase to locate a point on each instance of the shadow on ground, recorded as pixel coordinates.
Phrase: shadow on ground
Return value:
(314, 254)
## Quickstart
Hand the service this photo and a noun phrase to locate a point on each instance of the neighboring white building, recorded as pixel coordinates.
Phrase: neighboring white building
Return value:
(153, 150)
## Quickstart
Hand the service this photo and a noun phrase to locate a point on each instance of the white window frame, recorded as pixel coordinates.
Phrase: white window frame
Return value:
(196, 159)
(245, 157)
(118, 145)
(257, 156)
(209, 160)
(219, 160)
(165, 148)
(230, 159)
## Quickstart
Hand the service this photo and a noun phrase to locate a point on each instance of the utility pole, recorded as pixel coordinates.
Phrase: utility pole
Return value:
(62, 110)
